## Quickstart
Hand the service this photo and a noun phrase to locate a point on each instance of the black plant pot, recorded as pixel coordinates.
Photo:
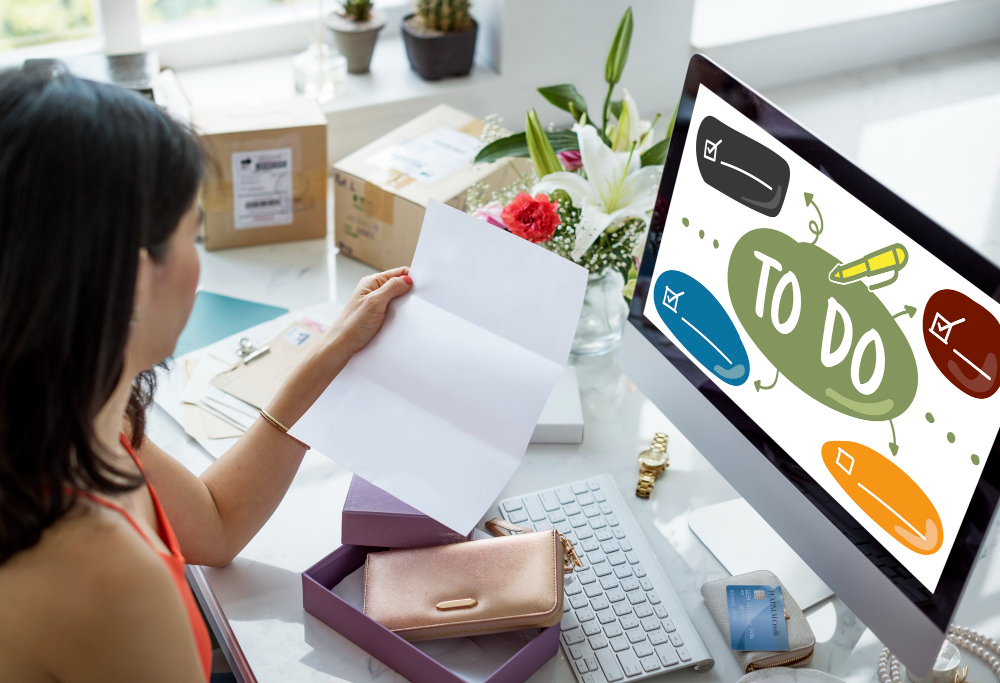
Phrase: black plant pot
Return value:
(440, 56)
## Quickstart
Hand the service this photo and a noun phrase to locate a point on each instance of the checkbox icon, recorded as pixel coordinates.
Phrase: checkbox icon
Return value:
(712, 148)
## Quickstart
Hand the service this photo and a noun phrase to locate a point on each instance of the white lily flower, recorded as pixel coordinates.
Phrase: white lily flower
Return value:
(616, 188)
(640, 132)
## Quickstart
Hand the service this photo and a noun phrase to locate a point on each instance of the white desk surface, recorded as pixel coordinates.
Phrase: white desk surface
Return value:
(874, 118)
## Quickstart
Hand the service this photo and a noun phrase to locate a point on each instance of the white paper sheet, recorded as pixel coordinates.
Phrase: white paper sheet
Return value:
(438, 409)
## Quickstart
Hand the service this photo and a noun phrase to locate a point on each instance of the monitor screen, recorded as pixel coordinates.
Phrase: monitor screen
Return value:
(859, 362)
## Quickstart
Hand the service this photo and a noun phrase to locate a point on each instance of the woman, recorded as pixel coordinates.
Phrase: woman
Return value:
(98, 270)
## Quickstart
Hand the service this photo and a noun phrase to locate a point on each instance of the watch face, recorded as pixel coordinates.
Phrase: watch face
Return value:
(653, 458)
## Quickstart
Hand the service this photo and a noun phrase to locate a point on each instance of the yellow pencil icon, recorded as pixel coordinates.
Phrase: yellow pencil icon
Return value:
(888, 260)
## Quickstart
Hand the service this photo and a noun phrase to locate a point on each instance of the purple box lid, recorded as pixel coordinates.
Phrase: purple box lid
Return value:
(394, 651)
(372, 517)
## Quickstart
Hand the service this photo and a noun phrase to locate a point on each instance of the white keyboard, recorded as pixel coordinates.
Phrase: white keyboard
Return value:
(622, 619)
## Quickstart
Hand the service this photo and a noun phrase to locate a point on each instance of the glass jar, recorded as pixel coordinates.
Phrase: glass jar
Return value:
(602, 319)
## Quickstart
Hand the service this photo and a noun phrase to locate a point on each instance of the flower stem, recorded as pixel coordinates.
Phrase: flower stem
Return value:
(607, 107)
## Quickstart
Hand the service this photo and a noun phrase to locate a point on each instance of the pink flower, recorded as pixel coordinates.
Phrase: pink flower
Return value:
(533, 219)
(492, 213)
(571, 161)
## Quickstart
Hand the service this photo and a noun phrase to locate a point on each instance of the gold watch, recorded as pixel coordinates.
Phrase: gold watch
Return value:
(651, 463)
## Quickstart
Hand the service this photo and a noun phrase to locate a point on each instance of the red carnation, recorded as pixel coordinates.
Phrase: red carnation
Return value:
(533, 219)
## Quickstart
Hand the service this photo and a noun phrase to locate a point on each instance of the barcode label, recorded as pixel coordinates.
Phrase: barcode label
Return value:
(263, 202)
(262, 188)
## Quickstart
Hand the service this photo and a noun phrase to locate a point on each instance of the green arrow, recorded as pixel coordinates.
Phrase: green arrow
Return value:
(907, 310)
(759, 387)
(814, 228)
(893, 446)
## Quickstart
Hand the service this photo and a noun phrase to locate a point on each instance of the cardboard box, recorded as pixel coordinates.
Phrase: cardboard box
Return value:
(413, 660)
(381, 191)
(267, 181)
(373, 517)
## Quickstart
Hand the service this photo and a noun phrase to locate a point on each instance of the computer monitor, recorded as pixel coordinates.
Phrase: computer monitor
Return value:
(833, 352)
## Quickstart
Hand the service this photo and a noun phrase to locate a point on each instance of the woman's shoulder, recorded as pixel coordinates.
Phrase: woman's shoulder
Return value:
(88, 582)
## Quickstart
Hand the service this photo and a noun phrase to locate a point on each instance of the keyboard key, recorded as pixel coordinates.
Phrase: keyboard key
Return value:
(638, 570)
(573, 636)
(616, 595)
(585, 499)
(646, 584)
(676, 640)
(578, 601)
(597, 642)
(557, 516)
(565, 495)
(591, 628)
(597, 523)
(635, 635)
(575, 651)
(613, 629)
(611, 520)
(615, 559)
(548, 501)
(683, 653)
(569, 621)
(619, 643)
(511, 505)
(654, 599)
(584, 532)
(632, 558)
(657, 637)
(604, 534)
(581, 665)
(591, 661)
(623, 570)
(630, 584)
(609, 665)
(590, 545)
(605, 508)
(666, 655)
(543, 525)
(518, 517)
(610, 545)
(648, 624)
(564, 528)
(636, 597)
(595, 557)
(618, 532)
(607, 616)
(629, 621)
(585, 614)
(626, 546)
(609, 582)
(630, 663)
(535, 511)
(571, 509)
(593, 484)
(592, 590)
(603, 569)
(590, 511)
(573, 588)
(586, 576)
(579, 487)
(577, 521)
(599, 602)
(668, 626)
(599, 497)
(661, 612)
(643, 649)
(644, 610)
(588, 678)
(650, 663)
(622, 608)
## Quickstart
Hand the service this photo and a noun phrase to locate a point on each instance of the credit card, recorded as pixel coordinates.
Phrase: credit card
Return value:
(757, 618)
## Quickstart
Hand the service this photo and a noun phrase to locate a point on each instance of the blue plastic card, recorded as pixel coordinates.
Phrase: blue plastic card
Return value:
(216, 317)
(757, 618)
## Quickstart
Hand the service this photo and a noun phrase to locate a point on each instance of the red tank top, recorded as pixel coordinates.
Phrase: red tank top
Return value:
(173, 559)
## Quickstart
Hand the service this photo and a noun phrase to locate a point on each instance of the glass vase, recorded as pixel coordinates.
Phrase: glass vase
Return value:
(602, 319)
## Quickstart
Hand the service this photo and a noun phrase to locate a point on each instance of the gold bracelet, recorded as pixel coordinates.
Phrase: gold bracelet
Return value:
(270, 418)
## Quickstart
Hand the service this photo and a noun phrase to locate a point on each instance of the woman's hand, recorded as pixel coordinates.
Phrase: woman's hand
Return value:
(364, 312)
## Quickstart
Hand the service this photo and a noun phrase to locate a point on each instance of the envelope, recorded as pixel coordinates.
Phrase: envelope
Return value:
(670, 298)
(711, 148)
(941, 327)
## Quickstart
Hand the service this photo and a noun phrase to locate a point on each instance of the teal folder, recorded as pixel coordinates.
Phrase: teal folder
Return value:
(216, 317)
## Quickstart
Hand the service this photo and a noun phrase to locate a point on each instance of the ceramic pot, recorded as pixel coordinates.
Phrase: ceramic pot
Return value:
(441, 55)
(355, 39)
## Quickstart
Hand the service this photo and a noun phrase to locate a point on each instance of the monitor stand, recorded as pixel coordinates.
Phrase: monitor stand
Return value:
(743, 542)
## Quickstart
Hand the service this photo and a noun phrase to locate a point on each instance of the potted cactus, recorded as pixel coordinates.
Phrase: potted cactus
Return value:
(355, 27)
(440, 38)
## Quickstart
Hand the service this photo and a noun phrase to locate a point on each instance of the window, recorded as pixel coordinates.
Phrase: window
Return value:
(31, 22)
(162, 11)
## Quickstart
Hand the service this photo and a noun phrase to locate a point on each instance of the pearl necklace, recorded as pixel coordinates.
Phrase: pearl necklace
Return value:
(982, 646)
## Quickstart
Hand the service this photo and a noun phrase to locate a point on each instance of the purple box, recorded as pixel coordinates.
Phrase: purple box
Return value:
(395, 652)
(372, 517)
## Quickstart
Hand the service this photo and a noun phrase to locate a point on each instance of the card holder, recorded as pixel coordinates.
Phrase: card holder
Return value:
(801, 641)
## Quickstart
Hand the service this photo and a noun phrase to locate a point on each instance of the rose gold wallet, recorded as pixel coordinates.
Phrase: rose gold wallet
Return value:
(492, 585)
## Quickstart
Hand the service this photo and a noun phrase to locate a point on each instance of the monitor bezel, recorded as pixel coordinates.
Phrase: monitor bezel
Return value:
(940, 605)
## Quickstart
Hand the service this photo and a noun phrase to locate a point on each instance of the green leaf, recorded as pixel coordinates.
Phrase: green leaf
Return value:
(616, 108)
(673, 120)
(657, 154)
(517, 146)
(565, 97)
(618, 54)
(539, 148)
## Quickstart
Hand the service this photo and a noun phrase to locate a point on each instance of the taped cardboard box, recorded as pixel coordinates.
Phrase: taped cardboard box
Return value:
(269, 181)
(381, 190)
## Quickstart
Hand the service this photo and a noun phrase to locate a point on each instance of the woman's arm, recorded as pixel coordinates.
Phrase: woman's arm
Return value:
(216, 515)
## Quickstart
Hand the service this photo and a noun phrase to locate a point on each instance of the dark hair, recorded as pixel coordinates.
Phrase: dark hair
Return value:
(89, 174)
